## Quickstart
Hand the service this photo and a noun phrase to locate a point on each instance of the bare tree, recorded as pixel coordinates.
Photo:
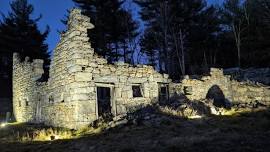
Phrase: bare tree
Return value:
(266, 5)
(179, 40)
(238, 29)
(131, 43)
(236, 17)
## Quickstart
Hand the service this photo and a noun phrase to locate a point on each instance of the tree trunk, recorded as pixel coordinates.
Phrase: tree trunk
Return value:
(237, 37)
(183, 67)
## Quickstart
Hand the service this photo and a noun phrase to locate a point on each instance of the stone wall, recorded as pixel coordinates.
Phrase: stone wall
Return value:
(69, 98)
(26, 87)
(244, 92)
(232, 90)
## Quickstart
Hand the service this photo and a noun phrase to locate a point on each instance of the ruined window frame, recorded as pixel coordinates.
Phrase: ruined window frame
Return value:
(26, 103)
(163, 96)
(187, 90)
(20, 103)
(112, 100)
(140, 88)
(166, 93)
(51, 98)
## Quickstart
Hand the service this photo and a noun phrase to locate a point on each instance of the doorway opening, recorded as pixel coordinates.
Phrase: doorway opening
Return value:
(163, 93)
(216, 94)
(104, 102)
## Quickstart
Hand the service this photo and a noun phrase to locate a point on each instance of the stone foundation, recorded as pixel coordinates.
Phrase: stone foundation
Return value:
(232, 90)
(71, 99)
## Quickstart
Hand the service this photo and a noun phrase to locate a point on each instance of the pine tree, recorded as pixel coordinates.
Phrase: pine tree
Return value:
(236, 20)
(247, 24)
(149, 46)
(179, 30)
(114, 28)
(20, 33)
(157, 16)
(257, 40)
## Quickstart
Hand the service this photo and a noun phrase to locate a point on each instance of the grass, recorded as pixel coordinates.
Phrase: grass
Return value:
(21, 132)
(237, 132)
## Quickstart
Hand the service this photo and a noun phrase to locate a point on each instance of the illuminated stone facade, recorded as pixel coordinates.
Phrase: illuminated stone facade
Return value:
(232, 90)
(69, 98)
(81, 84)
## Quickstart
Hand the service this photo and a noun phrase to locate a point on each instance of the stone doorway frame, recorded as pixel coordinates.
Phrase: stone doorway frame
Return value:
(112, 93)
(166, 85)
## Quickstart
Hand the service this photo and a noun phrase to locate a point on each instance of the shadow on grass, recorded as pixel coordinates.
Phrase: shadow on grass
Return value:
(248, 131)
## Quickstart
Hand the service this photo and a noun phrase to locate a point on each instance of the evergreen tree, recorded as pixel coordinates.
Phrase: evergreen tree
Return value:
(256, 44)
(149, 46)
(247, 24)
(20, 33)
(156, 14)
(180, 33)
(236, 19)
(114, 28)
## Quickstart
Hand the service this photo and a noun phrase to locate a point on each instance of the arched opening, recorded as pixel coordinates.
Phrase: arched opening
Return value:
(216, 94)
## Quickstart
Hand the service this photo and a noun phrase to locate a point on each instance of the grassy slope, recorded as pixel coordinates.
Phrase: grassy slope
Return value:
(245, 132)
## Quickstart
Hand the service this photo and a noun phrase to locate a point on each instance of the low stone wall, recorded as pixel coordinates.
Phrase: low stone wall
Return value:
(197, 89)
(232, 90)
(244, 92)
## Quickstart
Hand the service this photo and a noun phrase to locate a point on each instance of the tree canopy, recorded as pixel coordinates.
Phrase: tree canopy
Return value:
(20, 33)
(114, 28)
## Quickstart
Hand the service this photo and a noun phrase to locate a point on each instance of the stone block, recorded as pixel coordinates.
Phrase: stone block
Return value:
(96, 71)
(80, 97)
(80, 76)
(86, 108)
(74, 33)
(105, 71)
(117, 92)
(137, 80)
(75, 68)
(93, 64)
(82, 61)
(122, 79)
(82, 90)
(108, 79)
(121, 109)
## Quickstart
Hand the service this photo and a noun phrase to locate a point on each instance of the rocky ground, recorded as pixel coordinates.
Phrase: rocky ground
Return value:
(185, 127)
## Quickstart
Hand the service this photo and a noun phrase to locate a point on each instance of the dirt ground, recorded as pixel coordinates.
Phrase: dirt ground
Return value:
(246, 132)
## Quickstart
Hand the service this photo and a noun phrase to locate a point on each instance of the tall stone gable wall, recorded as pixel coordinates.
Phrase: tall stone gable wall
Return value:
(69, 98)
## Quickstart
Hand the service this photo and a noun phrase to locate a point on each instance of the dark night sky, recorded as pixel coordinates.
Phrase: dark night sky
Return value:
(53, 11)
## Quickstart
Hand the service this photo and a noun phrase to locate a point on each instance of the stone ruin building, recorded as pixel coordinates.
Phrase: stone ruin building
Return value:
(82, 86)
